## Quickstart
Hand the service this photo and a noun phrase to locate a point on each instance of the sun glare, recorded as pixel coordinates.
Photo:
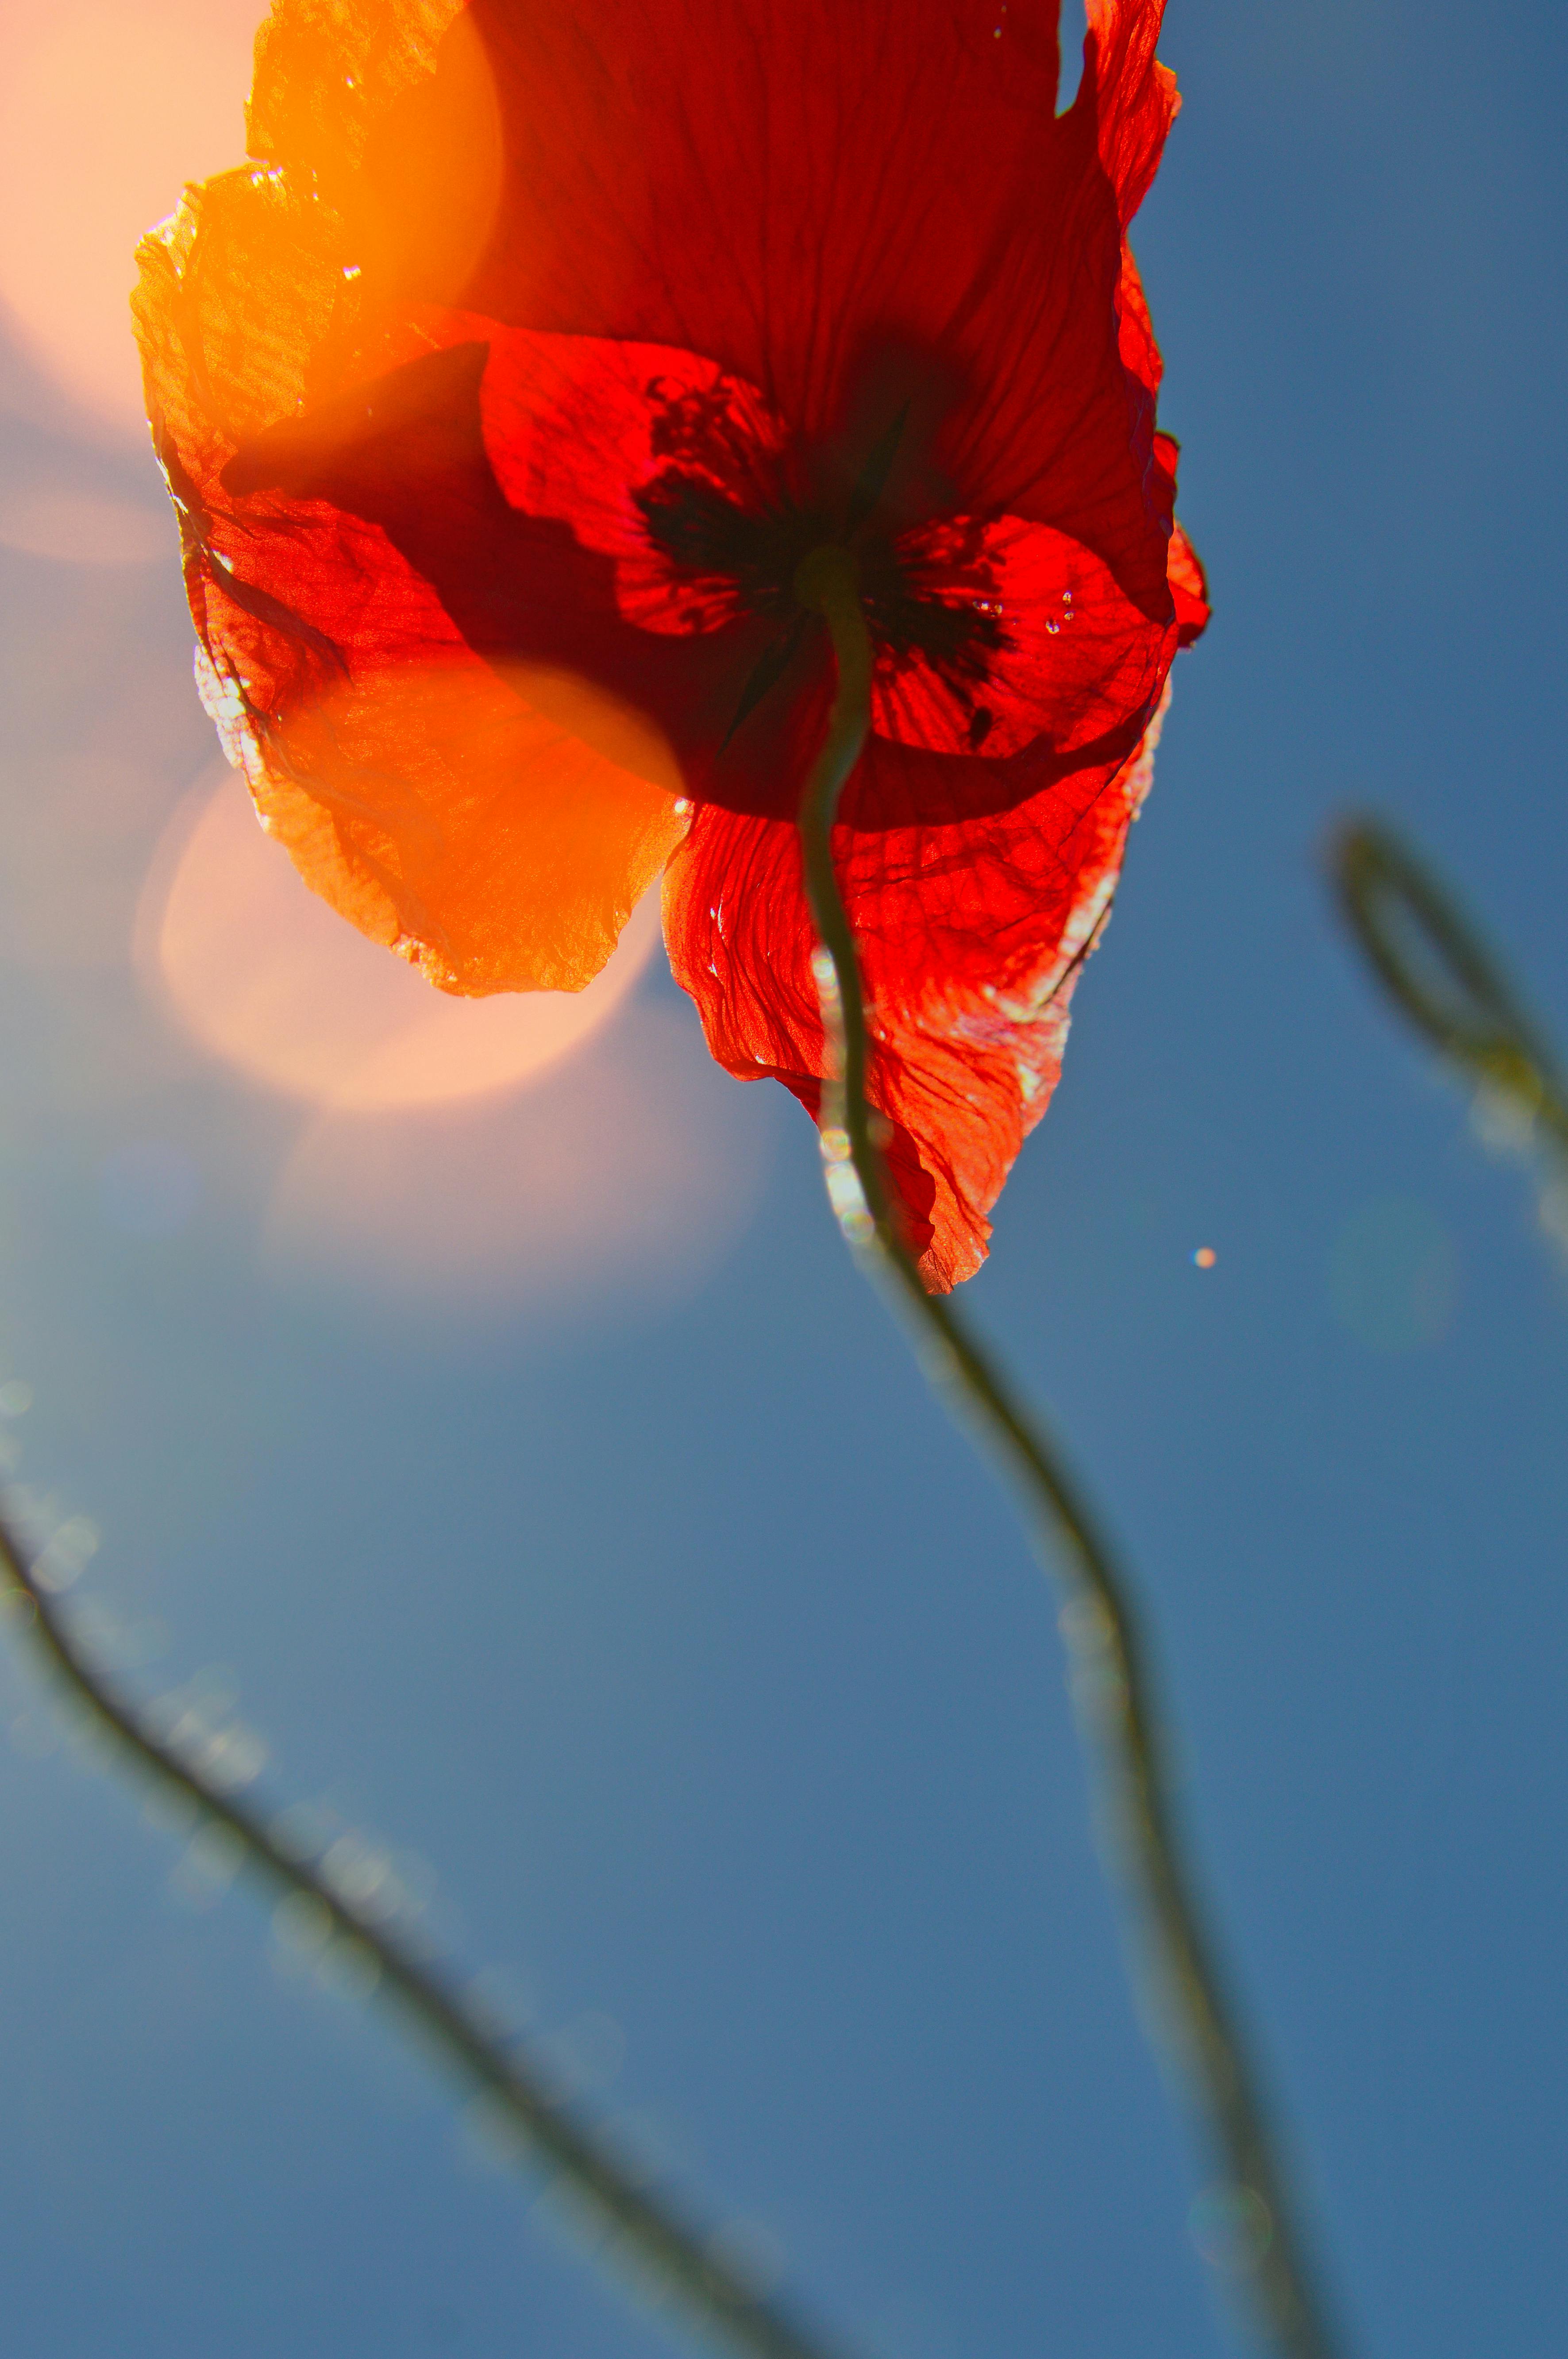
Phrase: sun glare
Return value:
(107, 107)
(626, 1175)
(269, 978)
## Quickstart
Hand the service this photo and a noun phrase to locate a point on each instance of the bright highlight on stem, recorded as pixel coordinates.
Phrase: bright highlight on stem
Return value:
(1111, 1679)
(664, 2253)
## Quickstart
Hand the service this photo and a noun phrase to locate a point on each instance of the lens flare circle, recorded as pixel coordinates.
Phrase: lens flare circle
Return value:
(106, 110)
(265, 976)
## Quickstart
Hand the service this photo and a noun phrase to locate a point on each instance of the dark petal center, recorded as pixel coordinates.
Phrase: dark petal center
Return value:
(945, 614)
(704, 532)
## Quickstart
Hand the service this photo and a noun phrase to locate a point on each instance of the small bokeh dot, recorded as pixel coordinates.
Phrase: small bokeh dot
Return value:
(1204, 1258)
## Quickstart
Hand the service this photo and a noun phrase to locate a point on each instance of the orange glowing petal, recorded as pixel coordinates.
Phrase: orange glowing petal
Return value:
(1189, 587)
(451, 819)
(274, 283)
(267, 979)
(391, 118)
(495, 827)
(366, 576)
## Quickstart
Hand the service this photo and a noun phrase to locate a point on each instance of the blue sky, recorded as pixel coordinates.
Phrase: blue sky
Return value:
(639, 1599)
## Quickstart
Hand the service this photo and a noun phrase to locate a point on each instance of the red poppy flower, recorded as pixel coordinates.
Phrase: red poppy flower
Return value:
(499, 400)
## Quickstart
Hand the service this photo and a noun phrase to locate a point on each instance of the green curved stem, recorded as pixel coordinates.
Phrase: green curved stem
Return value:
(1438, 973)
(1111, 1679)
(648, 2234)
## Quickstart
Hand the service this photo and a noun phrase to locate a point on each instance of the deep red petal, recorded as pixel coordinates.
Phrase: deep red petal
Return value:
(664, 182)
(571, 431)
(578, 430)
(1139, 353)
(609, 170)
(1132, 97)
(1189, 587)
(1077, 661)
(546, 591)
(506, 468)
(972, 937)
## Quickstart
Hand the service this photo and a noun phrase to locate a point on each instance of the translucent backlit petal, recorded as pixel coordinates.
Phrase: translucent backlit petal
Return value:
(1075, 661)
(501, 281)
(1189, 587)
(511, 472)
(446, 804)
(972, 937)
(963, 253)
(265, 977)
(1131, 95)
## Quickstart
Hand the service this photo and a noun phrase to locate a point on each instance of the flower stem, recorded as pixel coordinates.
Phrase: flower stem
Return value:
(655, 2245)
(1111, 1679)
(1437, 969)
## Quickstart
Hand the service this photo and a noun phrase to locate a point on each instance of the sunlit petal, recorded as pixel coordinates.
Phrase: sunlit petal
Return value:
(266, 977)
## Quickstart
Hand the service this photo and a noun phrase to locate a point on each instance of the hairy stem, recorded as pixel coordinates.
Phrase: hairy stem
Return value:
(649, 2237)
(1111, 1679)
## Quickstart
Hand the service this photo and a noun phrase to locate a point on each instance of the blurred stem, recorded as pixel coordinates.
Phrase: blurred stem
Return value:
(1438, 973)
(1111, 1679)
(647, 2235)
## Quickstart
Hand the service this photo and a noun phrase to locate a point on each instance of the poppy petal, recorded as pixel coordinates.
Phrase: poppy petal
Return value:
(466, 683)
(1189, 587)
(971, 938)
(522, 476)
(1068, 657)
(1133, 96)
(571, 591)
(450, 807)
(444, 814)
(585, 432)
(662, 181)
